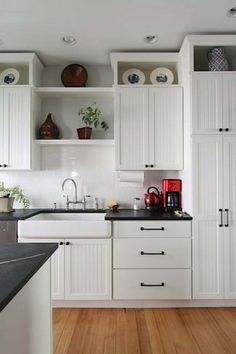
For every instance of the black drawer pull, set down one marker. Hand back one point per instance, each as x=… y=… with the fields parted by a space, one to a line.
x=152 y=229
x=221 y=218
x=227 y=217
x=161 y=284
x=152 y=253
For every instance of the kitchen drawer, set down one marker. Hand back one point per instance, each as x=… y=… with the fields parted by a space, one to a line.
x=138 y=253
x=155 y=228
x=152 y=284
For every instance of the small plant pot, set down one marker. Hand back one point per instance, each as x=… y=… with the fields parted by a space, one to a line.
x=6 y=204
x=84 y=133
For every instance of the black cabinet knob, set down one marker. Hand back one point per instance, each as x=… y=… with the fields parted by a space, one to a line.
x=67 y=243
x=61 y=243
x=220 y=130
x=152 y=165
x=226 y=129
x=4 y=165
x=146 y=166
x=0 y=165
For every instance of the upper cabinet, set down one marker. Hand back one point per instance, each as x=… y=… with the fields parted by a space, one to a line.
x=15 y=123
x=214 y=102
x=149 y=128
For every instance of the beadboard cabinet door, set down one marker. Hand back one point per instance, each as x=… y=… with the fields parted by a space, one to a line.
x=166 y=128
x=131 y=128
x=16 y=122
x=229 y=103
x=230 y=217
x=149 y=128
x=88 y=269
x=207 y=218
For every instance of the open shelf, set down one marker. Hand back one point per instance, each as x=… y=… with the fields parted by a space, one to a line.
x=57 y=92
x=87 y=142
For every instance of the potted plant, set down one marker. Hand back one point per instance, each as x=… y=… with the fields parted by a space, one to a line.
x=91 y=115
x=8 y=195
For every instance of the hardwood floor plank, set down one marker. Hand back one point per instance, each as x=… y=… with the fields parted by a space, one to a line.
x=175 y=336
x=154 y=334
x=206 y=332
x=60 y=317
x=143 y=334
x=67 y=332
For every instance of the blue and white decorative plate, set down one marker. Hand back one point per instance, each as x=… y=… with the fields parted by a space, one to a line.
x=161 y=76
x=133 y=77
x=9 y=77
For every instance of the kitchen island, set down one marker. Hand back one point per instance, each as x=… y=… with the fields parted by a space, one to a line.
x=25 y=298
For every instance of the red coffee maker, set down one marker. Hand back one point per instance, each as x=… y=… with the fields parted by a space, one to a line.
x=172 y=194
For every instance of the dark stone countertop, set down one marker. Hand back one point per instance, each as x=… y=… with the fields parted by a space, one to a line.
x=142 y=214
x=18 y=263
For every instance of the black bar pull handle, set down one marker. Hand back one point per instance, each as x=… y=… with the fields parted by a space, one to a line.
x=152 y=229
x=227 y=217
x=152 y=253
x=221 y=217
x=160 y=284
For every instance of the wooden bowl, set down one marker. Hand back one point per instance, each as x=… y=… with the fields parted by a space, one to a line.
x=74 y=75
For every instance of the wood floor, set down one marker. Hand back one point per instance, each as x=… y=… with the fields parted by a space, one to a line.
x=145 y=331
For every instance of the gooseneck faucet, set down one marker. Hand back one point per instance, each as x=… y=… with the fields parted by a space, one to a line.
x=76 y=201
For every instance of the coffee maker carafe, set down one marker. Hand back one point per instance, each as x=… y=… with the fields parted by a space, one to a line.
x=172 y=194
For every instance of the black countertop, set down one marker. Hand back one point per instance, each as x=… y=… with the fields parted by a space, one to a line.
x=121 y=214
x=18 y=263
x=142 y=214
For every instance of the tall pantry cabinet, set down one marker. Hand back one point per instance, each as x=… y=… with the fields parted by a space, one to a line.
x=214 y=184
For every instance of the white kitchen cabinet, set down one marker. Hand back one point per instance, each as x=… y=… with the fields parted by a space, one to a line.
x=88 y=269
x=57 y=266
x=156 y=265
x=149 y=128
x=214 y=104
x=81 y=268
x=214 y=243
x=15 y=124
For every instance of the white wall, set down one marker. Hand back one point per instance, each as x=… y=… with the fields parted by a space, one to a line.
x=92 y=168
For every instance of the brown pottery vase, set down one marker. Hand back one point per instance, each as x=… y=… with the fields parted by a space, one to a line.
x=48 y=129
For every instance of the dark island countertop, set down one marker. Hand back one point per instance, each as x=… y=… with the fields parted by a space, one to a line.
x=143 y=214
x=19 y=214
x=18 y=263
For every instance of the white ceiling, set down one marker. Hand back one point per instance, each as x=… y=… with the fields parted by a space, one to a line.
x=101 y=26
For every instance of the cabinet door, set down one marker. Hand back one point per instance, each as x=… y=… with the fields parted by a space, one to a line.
x=207 y=202
x=230 y=219
x=131 y=128
x=166 y=128
x=229 y=103
x=207 y=103
x=88 y=269
x=17 y=128
x=57 y=266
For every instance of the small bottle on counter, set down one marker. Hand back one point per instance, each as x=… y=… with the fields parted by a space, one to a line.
x=137 y=204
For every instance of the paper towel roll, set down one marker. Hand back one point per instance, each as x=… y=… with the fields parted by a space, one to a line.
x=131 y=178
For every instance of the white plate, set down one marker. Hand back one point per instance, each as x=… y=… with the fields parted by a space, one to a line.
x=161 y=76
x=133 y=77
x=9 y=77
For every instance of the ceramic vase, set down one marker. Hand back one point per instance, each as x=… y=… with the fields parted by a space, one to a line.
x=48 y=129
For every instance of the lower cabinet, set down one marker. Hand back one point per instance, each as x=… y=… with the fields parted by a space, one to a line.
x=152 y=267
x=81 y=269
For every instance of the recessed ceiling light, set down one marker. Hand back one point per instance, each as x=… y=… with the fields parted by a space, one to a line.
x=151 y=39
x=69 y=40
x=232 y=12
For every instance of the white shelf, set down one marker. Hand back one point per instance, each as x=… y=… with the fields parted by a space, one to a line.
x=76 y=142
x=73 y=91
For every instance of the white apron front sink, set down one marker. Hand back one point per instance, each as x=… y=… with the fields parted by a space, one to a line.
x=65 y=225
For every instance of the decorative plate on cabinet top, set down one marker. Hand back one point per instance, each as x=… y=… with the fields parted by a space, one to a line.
x=161 y=76
x=9 y=77
x=133 y=77
x=74 y=75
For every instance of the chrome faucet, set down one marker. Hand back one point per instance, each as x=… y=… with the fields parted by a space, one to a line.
x=68 y=201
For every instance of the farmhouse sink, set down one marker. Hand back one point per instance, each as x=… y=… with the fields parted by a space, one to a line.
x=65 y=225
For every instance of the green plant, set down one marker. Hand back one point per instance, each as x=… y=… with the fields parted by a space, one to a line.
x=17 y=193
x=91 y=115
